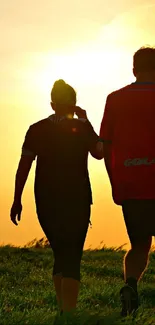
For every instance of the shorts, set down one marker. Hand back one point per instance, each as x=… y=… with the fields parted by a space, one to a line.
x=139 y=216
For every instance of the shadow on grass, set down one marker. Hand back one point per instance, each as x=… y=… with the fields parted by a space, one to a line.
x=112 y=318
x=87 y=318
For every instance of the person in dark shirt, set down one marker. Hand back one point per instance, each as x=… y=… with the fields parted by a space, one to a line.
x=63 y=196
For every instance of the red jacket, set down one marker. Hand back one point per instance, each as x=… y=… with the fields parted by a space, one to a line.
x=129 y=122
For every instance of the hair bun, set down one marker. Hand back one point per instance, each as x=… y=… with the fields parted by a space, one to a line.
x=59 y=83
x=63 y=94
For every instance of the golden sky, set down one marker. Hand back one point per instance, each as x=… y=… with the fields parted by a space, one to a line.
x=89 y=44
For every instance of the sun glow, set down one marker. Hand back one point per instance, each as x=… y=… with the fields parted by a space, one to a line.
x=76 y=68
x=93 y=71
x=80 y=69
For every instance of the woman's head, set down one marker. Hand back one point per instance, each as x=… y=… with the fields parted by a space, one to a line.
x=63 y=98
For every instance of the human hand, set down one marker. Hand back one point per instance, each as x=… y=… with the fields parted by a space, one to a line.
x=15 y=213
x=81 y=113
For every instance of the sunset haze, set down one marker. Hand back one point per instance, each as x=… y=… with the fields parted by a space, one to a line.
x=88 y=44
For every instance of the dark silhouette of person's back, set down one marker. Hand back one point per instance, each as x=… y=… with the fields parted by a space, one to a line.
x=63 y=195
x=128 y=122
x=62 y=150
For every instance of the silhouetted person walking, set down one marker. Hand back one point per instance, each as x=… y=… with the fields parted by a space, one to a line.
x=63 y=195
x=128 y=124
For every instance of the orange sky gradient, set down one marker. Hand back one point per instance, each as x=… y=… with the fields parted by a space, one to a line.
x=89 y=45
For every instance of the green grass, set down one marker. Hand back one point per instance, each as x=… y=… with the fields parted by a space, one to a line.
x=27 y=294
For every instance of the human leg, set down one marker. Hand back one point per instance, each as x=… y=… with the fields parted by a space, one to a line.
x=138 y=215
x=136 y=259
x=57 y=280
x=139 y=219
x=135 y=263
x=75 y=234
x=46 y=216
x=67 y=239
x=70 y=290
x=66 y=283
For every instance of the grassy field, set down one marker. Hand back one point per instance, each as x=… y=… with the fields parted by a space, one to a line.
x=27 y=294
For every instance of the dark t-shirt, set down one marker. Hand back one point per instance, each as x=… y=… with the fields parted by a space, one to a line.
x=62 y=152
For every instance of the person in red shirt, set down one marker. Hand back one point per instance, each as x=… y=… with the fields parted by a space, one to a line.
x=128 y=127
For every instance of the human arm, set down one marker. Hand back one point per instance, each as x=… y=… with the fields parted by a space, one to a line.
x=23 y=169
x=107 y=159
x=97 y=149
x=96 y=144
x=106 y=131
x=20 y=180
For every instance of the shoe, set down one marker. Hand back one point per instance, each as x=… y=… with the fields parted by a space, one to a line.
x=129 y=300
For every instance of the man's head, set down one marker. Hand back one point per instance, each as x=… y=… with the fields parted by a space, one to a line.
x=144 y=64
x=63 y=98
